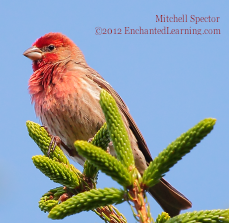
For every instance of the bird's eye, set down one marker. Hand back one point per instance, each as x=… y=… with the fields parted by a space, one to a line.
x=51 y=47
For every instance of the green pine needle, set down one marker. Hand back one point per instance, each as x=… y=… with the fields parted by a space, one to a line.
x=47 y=205
x=55 y=192
x=87 y=201
x=176 y=150
x=58 y=172
x=116 y=129
x=162 y=218
x=105 y=162
x=208 y=216
x=101 y=139
x=42 y=139
x=50 y=199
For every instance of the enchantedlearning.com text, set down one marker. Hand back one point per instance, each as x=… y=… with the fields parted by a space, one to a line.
x=165 y=30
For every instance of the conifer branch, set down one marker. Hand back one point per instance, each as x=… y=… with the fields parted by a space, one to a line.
x=207 y=216
x=105 y=162
x=51 y=198
x=58 y=172
x=116 y=129
x=162 y=218
x=61 y=194
x=87 y=201
x=43 y=140
x=101 y=139
x=110 y=214
x=175 y=151
x=77 y=194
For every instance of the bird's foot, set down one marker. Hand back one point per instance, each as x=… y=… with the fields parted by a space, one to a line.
x=110 y=146
x=46 y=129
x=90 y=140
x=55 y=141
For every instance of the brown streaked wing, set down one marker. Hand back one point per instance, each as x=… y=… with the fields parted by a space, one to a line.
x=92 y=74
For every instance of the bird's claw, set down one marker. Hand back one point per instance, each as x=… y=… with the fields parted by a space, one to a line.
x=90 y=140
x=55 y=141
x=47 y=130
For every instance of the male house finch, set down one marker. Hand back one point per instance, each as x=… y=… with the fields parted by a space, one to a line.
x=65 y=91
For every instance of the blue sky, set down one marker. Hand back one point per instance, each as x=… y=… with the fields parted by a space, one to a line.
x=169 y=81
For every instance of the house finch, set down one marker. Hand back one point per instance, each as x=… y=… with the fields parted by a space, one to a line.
x=66 y=93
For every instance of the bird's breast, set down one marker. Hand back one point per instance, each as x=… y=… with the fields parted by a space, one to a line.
x=71 y=110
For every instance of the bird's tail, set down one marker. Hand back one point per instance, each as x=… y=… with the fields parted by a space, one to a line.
x=171 y=200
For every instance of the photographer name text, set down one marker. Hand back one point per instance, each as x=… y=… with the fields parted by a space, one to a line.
x=185 y=18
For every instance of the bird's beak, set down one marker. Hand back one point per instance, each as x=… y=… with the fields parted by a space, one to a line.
x=33 y=53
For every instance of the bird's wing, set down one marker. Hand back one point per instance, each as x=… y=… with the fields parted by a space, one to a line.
x=92 y=74
x=171 y=200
